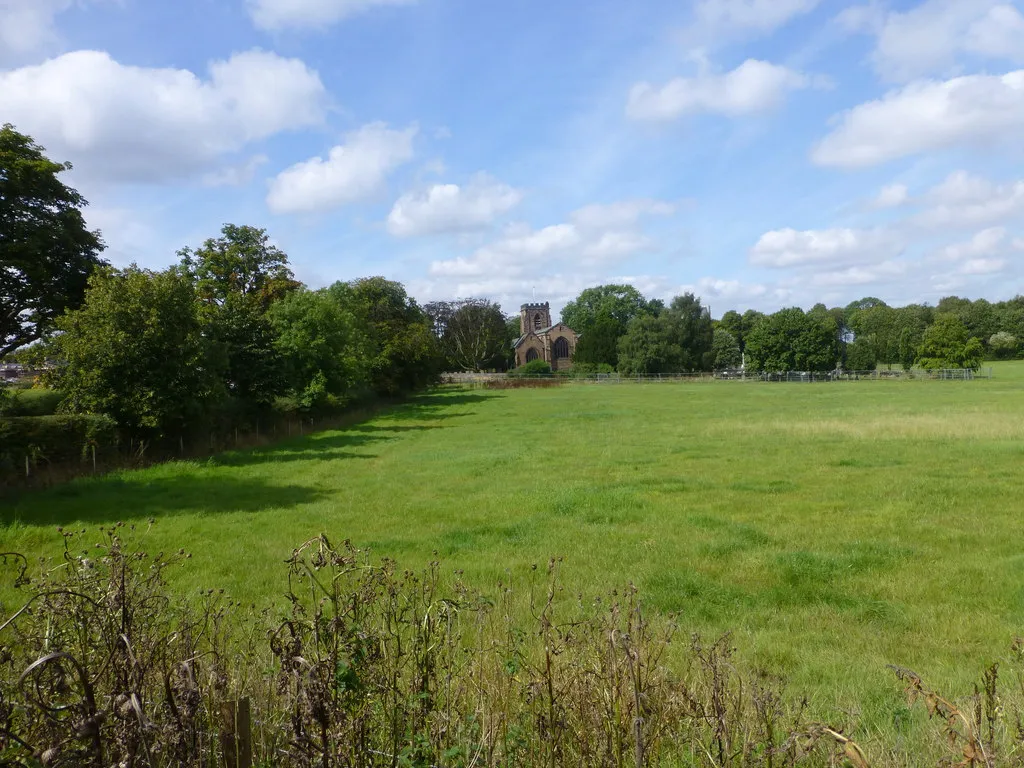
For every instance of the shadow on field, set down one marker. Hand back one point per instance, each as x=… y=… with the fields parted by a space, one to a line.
x=326 y=446
x=434 y=405
x=132 y=497
x=338 y=445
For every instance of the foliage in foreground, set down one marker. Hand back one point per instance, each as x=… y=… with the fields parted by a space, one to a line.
x=369 y=665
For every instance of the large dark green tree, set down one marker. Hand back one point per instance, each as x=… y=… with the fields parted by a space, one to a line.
x=241 y=262
x=46 y=251
x=599 y=344
x=948 y=344
x=135 y=351
x=792 y=340
x=677 y=340
x=876 y=333
x=238 y=277
x=406 y=352
x=620 y=303
x=725 y=350
x=323 y=346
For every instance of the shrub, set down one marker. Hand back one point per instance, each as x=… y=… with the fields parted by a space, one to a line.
x=53 y=439
x=580 y=370
x=32 y=402
x=533 y=368
x=525 y=382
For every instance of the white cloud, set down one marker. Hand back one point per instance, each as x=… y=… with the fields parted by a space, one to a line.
x=625 y=213
x=933 y=36
x=982 y=266
x=236 y=175
x=985 y=243
x=859 y=275
x=514 y=254
x=585 y=247
x=451 y=208
x=892 y=196
x=121 y=122
x=977 y=110
x=757 y=15
x=310 y=14
x=353 y=171
x=26 y=26
x=710 y=288
x=754 y=86
x=963 y=200
x=999 y=34
x=834 y=247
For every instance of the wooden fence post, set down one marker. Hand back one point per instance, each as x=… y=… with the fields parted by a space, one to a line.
x=236 y=734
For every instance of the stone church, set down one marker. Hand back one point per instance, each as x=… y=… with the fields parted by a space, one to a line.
x=542 y=340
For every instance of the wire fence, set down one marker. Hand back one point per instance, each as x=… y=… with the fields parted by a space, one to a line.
x=796 y=377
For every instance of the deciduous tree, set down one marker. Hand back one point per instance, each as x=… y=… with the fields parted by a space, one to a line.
x=407 y=355
x=948 y=344
x=725 y=350
x=472 y=333
x=791 y=340
x=135 y=351
x=324 y=348
x=46 y=252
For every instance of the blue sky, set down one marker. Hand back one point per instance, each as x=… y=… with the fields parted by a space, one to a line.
x=761 y=153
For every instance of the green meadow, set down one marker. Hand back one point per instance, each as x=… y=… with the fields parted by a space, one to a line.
x=832 y=528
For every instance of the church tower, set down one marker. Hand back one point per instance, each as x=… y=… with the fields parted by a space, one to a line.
x=534 y=317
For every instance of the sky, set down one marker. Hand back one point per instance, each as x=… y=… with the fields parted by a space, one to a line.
x=759 y=153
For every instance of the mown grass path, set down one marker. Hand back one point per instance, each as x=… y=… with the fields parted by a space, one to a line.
x=835 y=528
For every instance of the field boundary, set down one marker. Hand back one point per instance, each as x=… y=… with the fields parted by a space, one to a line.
x=800 y=377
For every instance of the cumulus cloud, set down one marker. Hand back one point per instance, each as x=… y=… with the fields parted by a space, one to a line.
x=351 y=172
x=985 y=243
x=625 y=213
x=126 y=123
x=758 y=15
x=754 y=86
x=927 y=116
x=892 y=196
x=451 y=208
x=310 y=14
x=931 y=37
x=830 y=247
x=592 y=240
x=966 y=200
x=26 y=26
x=236 y=175
x=859 y=275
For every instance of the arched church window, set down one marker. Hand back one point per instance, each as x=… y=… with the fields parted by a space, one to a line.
x=536 y=322
x=531 y=355
x=561 y=348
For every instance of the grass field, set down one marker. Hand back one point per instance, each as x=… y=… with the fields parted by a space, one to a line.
x=834 y=528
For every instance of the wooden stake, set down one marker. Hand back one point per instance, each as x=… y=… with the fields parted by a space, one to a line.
x=236 y=734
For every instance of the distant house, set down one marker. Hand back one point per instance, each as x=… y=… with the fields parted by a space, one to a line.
x=541 y=340
x=11 y=371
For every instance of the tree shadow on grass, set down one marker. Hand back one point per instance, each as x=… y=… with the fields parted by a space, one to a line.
x=337 y=444
x=435 y=406
x=325 y=446
x=133 y=496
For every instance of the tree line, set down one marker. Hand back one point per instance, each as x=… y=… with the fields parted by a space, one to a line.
x=228 y=326
x=622 y=330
